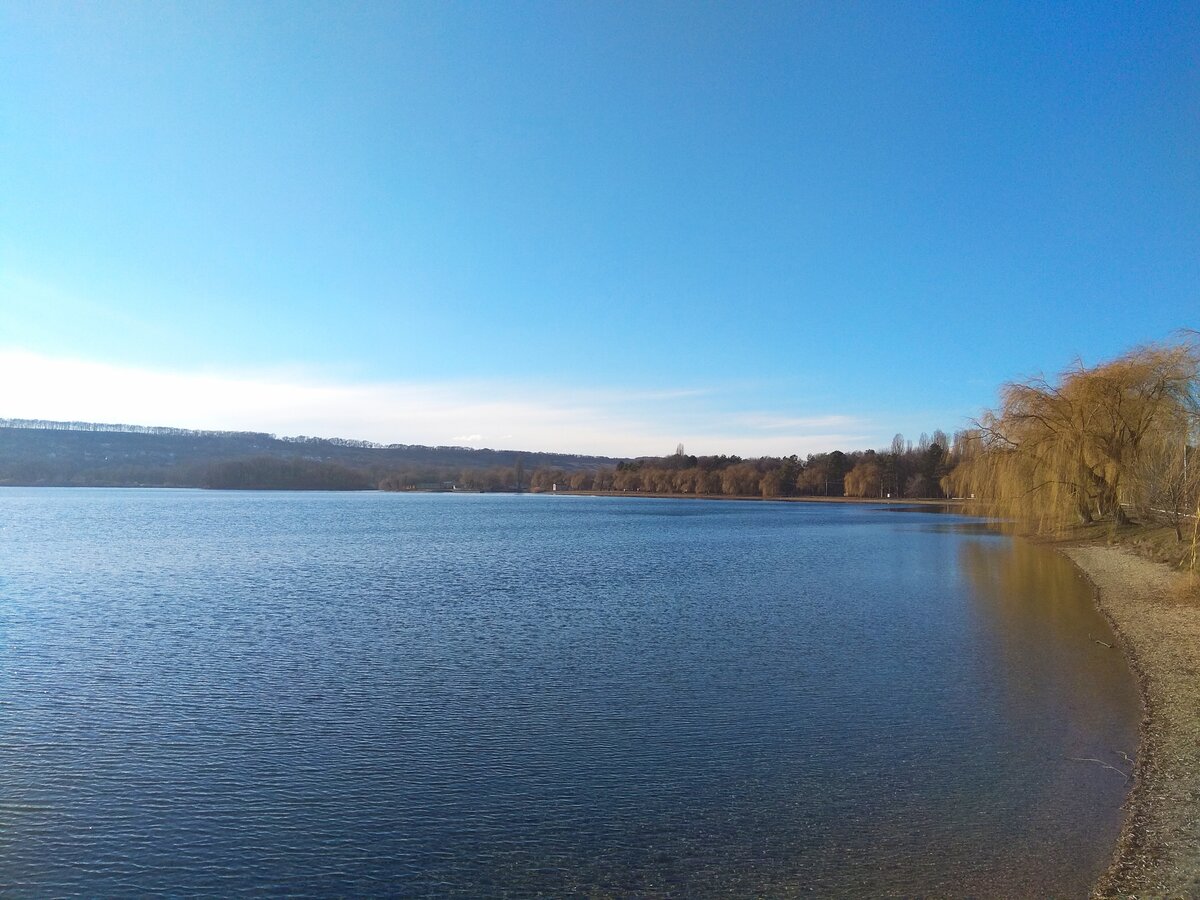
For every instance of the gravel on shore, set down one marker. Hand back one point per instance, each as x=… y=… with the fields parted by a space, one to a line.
x=1158 y=625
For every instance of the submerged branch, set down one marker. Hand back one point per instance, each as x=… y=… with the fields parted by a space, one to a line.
x=1099 y=762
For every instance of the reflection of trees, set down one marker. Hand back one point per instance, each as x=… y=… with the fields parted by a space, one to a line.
x=1058 y=693
x=1039 y=618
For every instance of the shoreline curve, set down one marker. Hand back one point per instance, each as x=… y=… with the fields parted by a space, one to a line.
x=1158 y=629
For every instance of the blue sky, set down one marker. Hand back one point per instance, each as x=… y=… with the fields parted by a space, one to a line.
x=592 y=227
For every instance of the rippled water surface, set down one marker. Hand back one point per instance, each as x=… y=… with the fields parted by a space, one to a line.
x=510 y=695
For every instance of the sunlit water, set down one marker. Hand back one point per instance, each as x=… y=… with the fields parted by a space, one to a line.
x=509 y=695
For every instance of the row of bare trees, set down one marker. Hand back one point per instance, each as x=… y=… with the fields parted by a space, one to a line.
x=115 y=428
x=902 y=470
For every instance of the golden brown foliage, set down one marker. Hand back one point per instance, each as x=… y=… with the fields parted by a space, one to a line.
x=1100 y=442
x=864 y=480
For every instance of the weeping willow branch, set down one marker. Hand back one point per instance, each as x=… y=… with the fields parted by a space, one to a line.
x=1101 y=440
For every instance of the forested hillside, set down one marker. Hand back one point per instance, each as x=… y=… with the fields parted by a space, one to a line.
x=36 y=452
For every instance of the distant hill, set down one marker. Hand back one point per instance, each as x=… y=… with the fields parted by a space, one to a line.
x=38 y=452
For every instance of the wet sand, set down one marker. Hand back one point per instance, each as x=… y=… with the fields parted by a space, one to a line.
x=1158 y=627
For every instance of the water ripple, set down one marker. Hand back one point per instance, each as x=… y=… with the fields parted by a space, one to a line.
x=218 y=693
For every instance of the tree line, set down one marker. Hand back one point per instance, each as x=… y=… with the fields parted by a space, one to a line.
x=903 y=469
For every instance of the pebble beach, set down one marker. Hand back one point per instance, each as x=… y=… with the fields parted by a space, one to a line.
x=1158 y=625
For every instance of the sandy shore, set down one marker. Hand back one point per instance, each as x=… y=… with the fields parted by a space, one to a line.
x=1159 y=629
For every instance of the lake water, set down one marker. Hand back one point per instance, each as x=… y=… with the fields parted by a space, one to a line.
x=487 y=695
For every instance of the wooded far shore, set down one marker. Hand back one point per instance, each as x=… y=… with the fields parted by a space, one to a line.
x=1112 y=443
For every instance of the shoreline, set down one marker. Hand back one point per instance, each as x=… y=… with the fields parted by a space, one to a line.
x=805 y=498
x=1158 y=630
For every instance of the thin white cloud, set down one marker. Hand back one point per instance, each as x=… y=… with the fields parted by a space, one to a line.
x=770 y=422
x=498 y=414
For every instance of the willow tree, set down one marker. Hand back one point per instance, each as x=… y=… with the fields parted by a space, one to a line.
x=1077 y=450
x=864 y=480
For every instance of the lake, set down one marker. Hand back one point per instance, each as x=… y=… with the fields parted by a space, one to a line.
x=503 y=695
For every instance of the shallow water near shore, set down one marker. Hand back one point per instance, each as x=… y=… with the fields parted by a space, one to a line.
x=489 y=695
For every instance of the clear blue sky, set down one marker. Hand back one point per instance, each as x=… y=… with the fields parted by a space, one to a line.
x=745 y=226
